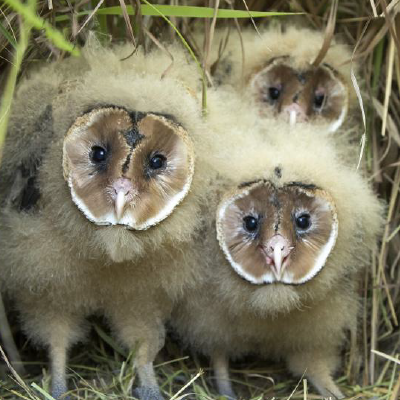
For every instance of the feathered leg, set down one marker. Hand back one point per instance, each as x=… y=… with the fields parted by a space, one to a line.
x=318 y=367
x=62 y=332
x=148 y=389
x=146 y=334
x=58 y=361
x=58 y=331
x=220 y=363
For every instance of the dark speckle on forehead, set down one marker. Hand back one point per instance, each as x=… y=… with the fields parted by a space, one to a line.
x=125 y=166
x=132 y=137
x=278 y=172
x=301 y=77
x=274 y=200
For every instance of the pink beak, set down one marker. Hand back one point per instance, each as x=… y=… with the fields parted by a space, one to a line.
x=276 y=250
x=295 y=113
x=122 y=194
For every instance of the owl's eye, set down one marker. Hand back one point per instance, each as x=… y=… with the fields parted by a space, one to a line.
x=98 y=154
x=250 y=224
x=319 y=100
x=303 y=221
x=274 y=93
x=157 y=161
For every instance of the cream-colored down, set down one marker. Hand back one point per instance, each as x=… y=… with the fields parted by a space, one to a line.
x=301 y=44
x=57 y=265
x=234 y=68
x=302 y=324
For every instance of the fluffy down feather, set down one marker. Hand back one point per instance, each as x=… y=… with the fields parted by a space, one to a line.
x=290 y=52
x=57 y=265
x=227 y=317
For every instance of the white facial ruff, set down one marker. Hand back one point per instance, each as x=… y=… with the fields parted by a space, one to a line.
x=269 y=277
x=338 y=123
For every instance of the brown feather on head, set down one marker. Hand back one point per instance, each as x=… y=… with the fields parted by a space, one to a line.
x=277 y=234
x=301 y=95
x=127 y=168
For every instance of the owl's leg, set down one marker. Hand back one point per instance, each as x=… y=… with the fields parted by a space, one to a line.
x=220 y=363
x=318 y=367
x=148 y=389
x=62 y=333
x=58 y=362
x=58 y=331
x=147 y=338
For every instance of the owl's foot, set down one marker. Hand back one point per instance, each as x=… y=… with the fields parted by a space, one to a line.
x=58 y=390
x=148 y=393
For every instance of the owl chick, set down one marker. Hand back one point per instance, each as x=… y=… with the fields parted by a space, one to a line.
x=279 y=76
x=280 y=281
x=100 y=194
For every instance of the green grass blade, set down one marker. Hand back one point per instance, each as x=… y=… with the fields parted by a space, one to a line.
x=42 y=391
x=110 y=341
x=186 y=44
x=5 y=33
x=8 y=94
x=52 y=34
x=182 y=11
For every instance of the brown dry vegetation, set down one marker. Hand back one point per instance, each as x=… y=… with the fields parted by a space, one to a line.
x=101 y=369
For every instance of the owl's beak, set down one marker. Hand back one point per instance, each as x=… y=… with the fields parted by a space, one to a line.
x=122 y=195
x=276 y=251
x=120 y=202
x=295 y=113
x=278 y=262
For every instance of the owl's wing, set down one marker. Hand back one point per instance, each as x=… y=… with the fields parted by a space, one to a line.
x=22 y=157
x=24 y=192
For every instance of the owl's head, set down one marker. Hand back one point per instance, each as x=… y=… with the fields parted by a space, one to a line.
x=280 y=72
x=277 y=234
x=300 y=94
x=127 y=168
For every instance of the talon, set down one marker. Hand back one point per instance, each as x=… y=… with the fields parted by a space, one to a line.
x=147 y=393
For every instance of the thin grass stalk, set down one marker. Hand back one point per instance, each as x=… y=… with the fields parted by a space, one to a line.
x=186 y=44
x=374 y=321
x=396 y=390
x=381 y=273
x=8 y=340
x=8 y=94
x=388 y=90
x=36 y=22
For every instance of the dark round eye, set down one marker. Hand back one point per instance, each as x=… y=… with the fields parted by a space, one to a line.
x=274 y=93
x=250 y=223
x=303 y=221
x=98 y=154
x=157 y=161
x=319 y=100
